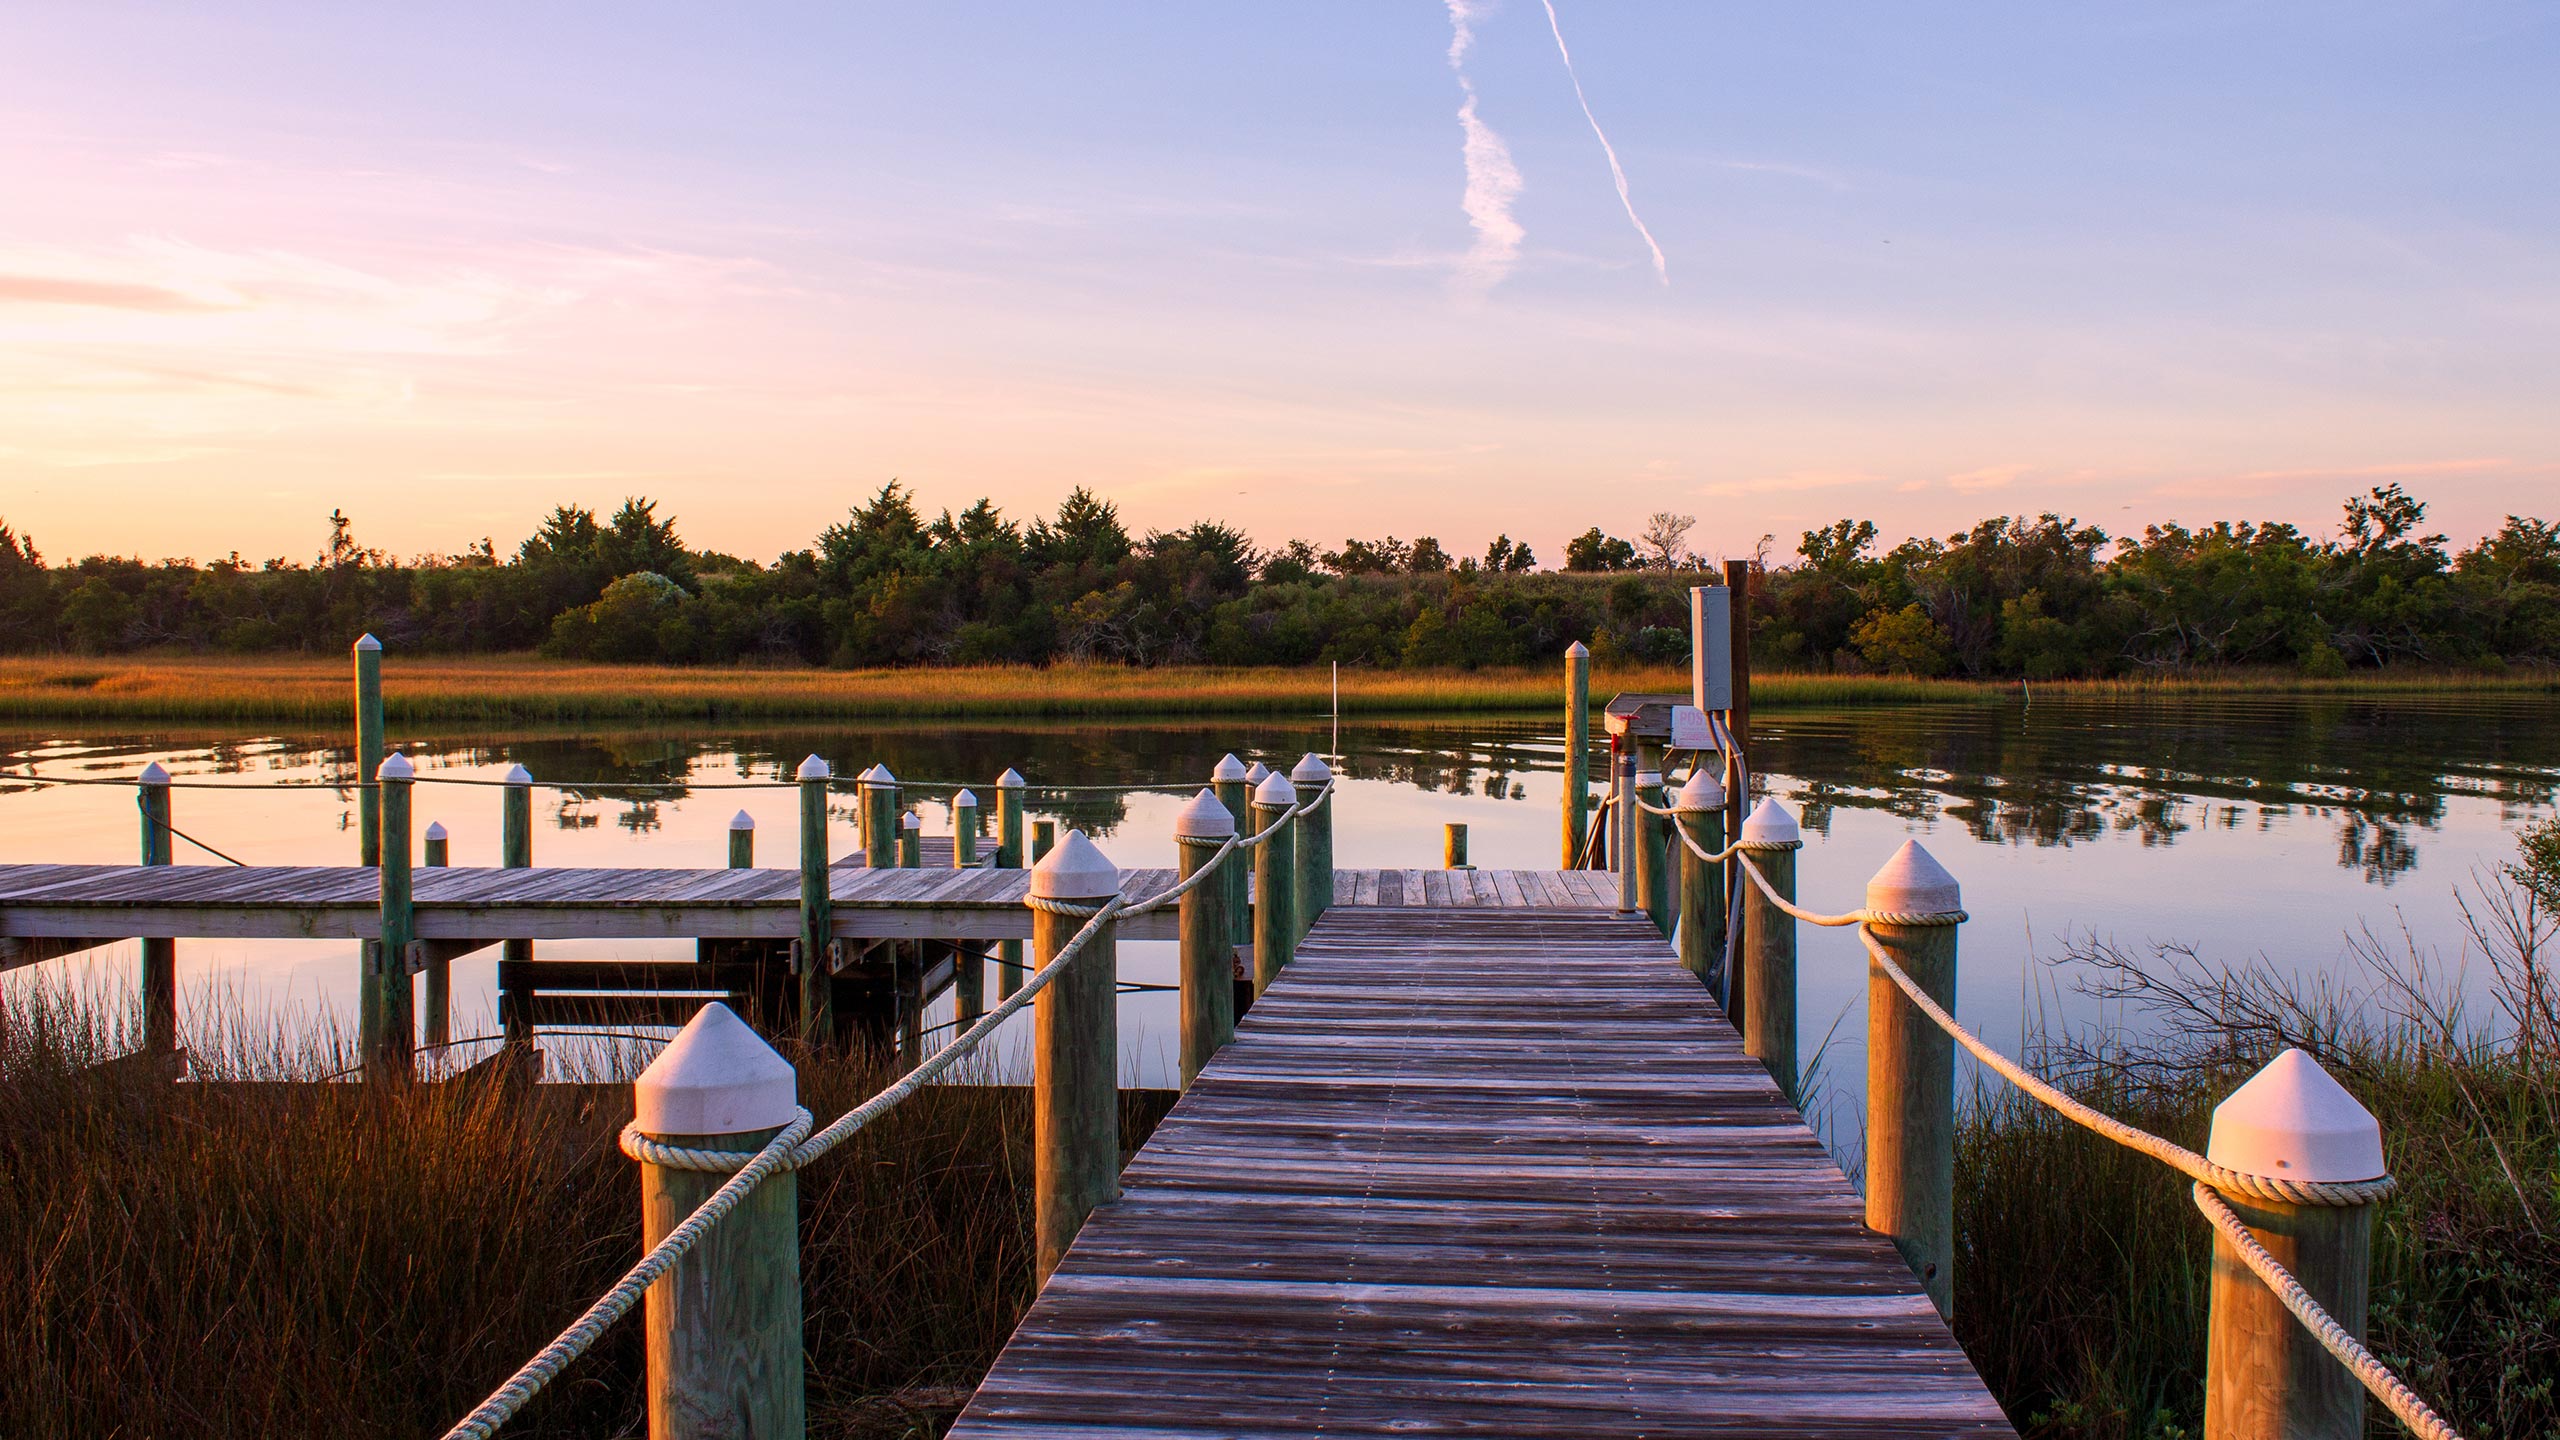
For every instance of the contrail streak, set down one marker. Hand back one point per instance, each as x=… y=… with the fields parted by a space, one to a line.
x=1493 y=182
x=1616 y=172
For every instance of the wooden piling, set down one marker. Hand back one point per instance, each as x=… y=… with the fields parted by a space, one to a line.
x=723 y=1324
x=1699 y=814
x=435 y=984
x=1654 y=867
x=1577 y=750
x=1453 y=846
x=1737 y=580
x=969 y=957
x=1313 y=887
x=1044 y=838
x=1234 y=792
x=515 y=852
x=1275 y=873
x=910 y=841
x=1767 y=984
x=368 y=652
x=2266 y=1377
x=1075 y=1050
x=1911 y=1073
x=817 y=917
x=393 y=1041
x=1010 y=855
x=1623 y=816
x=876 y=792
x=159 y=956
x=1208 y=949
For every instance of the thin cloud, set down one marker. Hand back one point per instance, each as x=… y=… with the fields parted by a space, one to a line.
x=1617 y=172
x=1493 y=182
x=100 y=294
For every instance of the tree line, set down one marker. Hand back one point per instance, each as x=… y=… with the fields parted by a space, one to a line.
x=2042 y=597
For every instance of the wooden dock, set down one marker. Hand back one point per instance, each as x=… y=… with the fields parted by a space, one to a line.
x=1482 y=1169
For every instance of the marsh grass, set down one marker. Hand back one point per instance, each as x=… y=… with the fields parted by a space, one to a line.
x=2083 y=1269
x=529 y=690
x=261 y=1255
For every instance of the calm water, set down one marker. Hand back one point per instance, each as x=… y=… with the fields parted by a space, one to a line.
x=2255 y=827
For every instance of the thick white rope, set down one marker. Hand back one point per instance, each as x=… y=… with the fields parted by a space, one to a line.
x=615 y=1303
x=2387 y=1387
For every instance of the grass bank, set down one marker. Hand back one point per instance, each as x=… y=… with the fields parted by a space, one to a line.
x=524 y=689
x=260 y=1259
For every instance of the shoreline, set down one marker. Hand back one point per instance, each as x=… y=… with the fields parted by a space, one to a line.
x=529 y=689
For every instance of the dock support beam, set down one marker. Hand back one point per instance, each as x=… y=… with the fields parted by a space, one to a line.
x=723 y=1323
x=2266 y=1377
x=1577 y=750
x=1010 y=855
x=390 y=1040
x=1911 y=1070
x=968 y=958
x=1208 y=954
x=1075 y=1053
x=159 y=956
x=1767 y=984
x=1700 y=815
x=1275 y=872
x=1314 y=842
x=817 y=907
x=515 y=852
x=436 y=984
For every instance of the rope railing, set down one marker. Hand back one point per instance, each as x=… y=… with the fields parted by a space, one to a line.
x=792 y=1149
x=2212 y=1181
x=1208 y=867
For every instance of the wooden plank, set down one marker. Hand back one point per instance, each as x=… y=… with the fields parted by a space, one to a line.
x=1485 y=1168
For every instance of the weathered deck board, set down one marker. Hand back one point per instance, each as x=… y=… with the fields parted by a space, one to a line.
x=1483 y=1170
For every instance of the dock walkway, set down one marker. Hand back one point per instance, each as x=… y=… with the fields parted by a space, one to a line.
x=1486 y=1170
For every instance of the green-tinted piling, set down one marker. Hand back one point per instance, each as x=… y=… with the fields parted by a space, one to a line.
x=1699 y=814
x=1577 y=750
x=1075 y=1054
x=1012 y=853
x=817 y=908
x=1275 y=874
x=393 y=1041
x=1208 y=954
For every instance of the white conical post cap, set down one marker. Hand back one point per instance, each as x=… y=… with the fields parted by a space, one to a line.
x=965 y=800
x=1256 y=773
x=1770 y=824
x=518 y=775
x=396 y=766
x=742 y=821
x=435 y=830
x=1578 y=651
x=1228 y=768
x=911 y=821
x=1011 y=779
x=1275 y=790
x=1703 y=792
x=2293 y=1122
x=1205 y=818
x=717 y=1077
x=814 y=768
x=1913 y=883
x=1075 y=870
x=881 y=775
x=367 y=642
x=1310 y=771
x=154 y=774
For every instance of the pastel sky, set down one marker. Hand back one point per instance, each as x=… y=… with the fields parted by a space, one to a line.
x=449 y=265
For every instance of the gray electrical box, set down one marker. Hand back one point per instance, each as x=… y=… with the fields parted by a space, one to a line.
x=1711 y=647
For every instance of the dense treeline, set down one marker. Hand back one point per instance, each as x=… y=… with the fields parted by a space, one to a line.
x=2042 y=597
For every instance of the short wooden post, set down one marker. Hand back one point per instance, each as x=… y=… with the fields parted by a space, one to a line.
x=1227 y=779
x=394 y=1038
x=159 y=953
x=1208 y=951
x=877 y=790
x=723 y=1323
x=1699 y=814
x=1314 y=887
x=1453 y=846
x=742 y=841
x=1577 y=749
x=1011 y=851
x=2266 y=1378
x=1275 y=874
x=436 y=982
x=1622 y=792
x=1767 y=984
x=515 y=852
x=368 y=747
x=910 y=840
x=1254 y=775
x=1652 y=853
x=968 y=957
x=817 y=907
x=1911 y=1070
x=1075 y=1054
